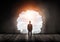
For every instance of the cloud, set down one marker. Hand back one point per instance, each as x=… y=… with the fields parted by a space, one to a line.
x=22 y=22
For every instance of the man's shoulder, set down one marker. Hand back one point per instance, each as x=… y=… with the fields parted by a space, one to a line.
x=29 y=24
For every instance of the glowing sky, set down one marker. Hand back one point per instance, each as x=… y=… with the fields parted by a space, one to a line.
x=24 y=18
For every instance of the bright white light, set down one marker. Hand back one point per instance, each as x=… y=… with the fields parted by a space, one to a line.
x=25 y=17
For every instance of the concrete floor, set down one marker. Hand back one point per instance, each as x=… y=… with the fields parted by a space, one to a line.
x=34 y=38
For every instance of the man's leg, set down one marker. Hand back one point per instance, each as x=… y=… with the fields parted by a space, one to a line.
x=29 y=35
x=28 y=32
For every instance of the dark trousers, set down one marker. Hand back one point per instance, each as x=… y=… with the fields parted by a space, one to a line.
x=29 y=35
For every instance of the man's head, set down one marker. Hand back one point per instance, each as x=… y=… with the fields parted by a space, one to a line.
x=29 y=22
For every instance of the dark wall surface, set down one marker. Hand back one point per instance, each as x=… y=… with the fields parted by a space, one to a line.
x=7 y=20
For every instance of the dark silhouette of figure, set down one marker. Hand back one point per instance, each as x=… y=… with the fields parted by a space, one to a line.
x=29 y=29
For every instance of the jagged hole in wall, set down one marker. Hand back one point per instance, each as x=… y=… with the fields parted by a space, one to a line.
x=25 y=17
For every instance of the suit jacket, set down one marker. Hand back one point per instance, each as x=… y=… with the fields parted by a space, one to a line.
x=30 y=27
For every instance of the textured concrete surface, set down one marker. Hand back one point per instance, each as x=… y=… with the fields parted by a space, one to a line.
x=24 y=37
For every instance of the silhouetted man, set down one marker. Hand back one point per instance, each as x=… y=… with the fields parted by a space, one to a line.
x=29 y=29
